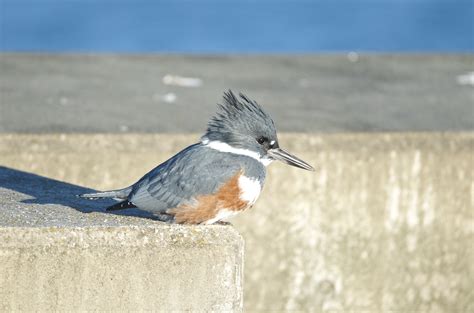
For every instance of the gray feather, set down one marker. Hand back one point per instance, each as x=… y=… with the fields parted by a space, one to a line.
x=197 y=170
x=119 y=194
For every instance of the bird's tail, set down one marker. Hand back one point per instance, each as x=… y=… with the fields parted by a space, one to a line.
x=119 y=194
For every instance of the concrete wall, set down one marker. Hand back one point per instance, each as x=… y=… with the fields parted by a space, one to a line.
x=384 y=224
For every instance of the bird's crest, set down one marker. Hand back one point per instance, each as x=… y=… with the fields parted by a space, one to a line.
x=238 y=116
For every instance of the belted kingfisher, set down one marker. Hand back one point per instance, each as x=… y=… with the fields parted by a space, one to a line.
x=214 y=179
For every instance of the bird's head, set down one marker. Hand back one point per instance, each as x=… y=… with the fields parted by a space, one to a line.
x=242 y=126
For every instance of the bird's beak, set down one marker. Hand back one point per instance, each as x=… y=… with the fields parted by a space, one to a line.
x=282 y=155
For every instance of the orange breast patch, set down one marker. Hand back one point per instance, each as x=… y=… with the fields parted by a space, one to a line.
x=208 y=206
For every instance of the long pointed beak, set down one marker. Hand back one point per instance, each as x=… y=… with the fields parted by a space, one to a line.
x=282 y=155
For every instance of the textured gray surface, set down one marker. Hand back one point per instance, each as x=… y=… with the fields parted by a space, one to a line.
x=109 y=93
x=383 y=225
x=31 y=200
x=60 y=253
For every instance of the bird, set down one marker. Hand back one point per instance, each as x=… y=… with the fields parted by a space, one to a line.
x=218 y=177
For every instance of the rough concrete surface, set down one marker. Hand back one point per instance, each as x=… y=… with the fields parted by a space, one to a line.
x=120 y=93
x=60 y=253
x=385 y=224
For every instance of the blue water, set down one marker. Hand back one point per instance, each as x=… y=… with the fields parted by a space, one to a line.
x=237 y=26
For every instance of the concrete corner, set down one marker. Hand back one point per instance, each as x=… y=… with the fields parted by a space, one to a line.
x=97 y=261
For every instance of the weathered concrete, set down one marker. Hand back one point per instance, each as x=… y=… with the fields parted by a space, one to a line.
x=54 y=256
x=112 y=93
x=384 y=224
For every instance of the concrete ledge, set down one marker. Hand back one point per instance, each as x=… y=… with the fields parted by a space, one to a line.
x=149 y=266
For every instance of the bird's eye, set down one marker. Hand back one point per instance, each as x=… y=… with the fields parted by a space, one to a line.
x=262 y=140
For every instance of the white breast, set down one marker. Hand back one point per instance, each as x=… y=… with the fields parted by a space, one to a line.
x=249 y=189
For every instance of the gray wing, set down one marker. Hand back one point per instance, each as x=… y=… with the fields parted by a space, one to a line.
x=196 y=170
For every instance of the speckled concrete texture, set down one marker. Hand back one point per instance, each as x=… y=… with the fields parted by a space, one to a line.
x=384 y=224
x=60 y=253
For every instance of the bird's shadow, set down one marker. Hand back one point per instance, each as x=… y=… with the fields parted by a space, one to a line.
x=42 y=190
